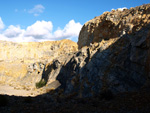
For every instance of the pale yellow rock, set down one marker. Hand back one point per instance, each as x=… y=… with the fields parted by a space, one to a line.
x=13 y=69
x=15 y=58
x=35 y=50
x=114 y=24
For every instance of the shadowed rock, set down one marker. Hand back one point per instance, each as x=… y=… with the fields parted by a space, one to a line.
x=118 y=61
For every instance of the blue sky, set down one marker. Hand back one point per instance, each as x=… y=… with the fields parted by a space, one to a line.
x=40 y=20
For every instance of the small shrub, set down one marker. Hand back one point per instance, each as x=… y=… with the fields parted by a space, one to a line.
x=41 y=83
x=3 y=100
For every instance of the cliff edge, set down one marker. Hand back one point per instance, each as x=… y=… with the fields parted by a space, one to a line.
x=114 y=55
x=114 y=24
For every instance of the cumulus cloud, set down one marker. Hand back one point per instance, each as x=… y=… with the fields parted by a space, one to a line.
x=37 y=10
x=41 y=31
x=13 y=31
x=71 y=30
x=1 y=24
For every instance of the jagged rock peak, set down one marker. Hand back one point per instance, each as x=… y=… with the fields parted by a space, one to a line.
x=114 y=24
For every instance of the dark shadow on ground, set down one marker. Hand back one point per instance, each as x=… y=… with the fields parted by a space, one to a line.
x=132 y=102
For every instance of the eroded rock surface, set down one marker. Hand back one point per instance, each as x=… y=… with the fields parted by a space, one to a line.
x=114 y=57
x=110 y=73
x=117 y=60
x=114 y=24
x=22 y=64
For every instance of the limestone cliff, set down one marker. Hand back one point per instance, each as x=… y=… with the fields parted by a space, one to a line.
x=113 y=57
x=32 y=51
x=114 y=24
x=110 y=73
x=24 y=62
x=117 y=60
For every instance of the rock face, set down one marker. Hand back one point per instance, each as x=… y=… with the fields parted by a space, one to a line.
x=24 y=62
x=114 y=57
x=33 y=51
x=117 y=60
x=114 y=24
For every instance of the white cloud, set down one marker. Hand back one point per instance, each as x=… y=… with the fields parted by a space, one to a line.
x=71 y=30
x=1 y=24
x=2 y=37
x=13 y=31
x=37 y=10
x=41 y=31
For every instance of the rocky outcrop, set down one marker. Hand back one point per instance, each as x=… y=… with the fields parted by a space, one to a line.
x=117 y=60
x=114 y=24
x=113 y=61
x=113 y=57
x=34 y=51
x=22 y=64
